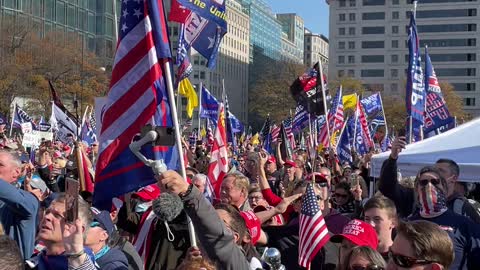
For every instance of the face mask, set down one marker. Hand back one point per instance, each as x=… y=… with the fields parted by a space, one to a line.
x=432 y=201
x=142 y=207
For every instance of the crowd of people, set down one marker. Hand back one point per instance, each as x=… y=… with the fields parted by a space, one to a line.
x=427 y=222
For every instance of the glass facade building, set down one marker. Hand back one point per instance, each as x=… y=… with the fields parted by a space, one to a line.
x=91 y=19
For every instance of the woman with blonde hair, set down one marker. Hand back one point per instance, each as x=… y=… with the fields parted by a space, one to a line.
x=364 y=258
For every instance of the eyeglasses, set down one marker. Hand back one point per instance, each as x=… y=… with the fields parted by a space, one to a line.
x=424 y=182
x=322 y=184
x=405 y=261
x=370 y=267
x=341 y=195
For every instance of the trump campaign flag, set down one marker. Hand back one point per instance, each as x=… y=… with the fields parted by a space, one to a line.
x=362 y=139
x=344 y=148
x=20 y=117
x=300 y=120
x=415 y=98
x=437 y=114
x=218 y=167
x=372 y=105
x=137 y=96
x=209 y=106
x=205 y=27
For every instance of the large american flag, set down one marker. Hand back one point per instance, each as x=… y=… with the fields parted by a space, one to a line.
x=335 y=119
x=313 y=230
x=218 y=167
x=275 y=131
x=137 y=95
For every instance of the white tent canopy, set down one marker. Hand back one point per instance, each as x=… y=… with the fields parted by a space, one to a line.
x=461 y=144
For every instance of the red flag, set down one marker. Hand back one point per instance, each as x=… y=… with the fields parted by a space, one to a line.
x=178 y=13
x=313 y=230
x=218 y=167
x=87 y=175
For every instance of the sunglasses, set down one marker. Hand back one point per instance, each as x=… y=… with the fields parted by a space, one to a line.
x=322 y=184
x=341 y=195
x=424 y=182
x=405 y=261
x=370 y=267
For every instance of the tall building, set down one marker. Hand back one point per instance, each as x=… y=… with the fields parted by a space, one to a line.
x=289 y=52
x=368 y=41
x=315 y=49
x=232 y=63
x=293 y=26
x=92 y=20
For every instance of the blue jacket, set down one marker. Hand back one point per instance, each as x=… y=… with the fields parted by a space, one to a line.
x=465 y=236
x=18 y=215
x=114 y=259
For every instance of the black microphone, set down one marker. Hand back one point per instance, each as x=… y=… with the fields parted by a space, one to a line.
x=167 y=206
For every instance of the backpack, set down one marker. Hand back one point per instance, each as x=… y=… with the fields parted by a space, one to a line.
x=460 y=207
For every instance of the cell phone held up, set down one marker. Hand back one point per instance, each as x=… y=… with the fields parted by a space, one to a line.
x=72 y=187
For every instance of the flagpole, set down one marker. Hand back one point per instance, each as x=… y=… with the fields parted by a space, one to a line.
x=320 y=68
x=115 y=18
x=171 y=97
x=13 y=118
x=410 y=130
x=355 y=126
x=199 y=107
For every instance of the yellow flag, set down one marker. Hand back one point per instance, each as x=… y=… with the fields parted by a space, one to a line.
x=203 y=132
x=185 y=88
x=242 y=139
x=349 y=101
x=255 y=139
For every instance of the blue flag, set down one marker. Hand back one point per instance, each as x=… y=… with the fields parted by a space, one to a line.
x=182 y=62
x=205 y=27
x=359 y=139
x=209 y=109
x=3 y=119
x=372 y=105
x=437 y=114
x=415 y=97
x=376 y=122
x=344 y=148
x=43 y=125
x=300 y=120
x=20 y=117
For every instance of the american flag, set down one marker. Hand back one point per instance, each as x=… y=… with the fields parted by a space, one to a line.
x=313 y=230
x=209 y=136
x=275 y=131
x=137 y=96
x=218 y=167
x=335 y=119
x=266 y=128
x=287 y=123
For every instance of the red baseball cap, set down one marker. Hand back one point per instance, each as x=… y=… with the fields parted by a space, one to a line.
x=359 y=233
x=290 y=163
x=149 y=193
x=253 y=225
x=318 y=176
x=272 y=159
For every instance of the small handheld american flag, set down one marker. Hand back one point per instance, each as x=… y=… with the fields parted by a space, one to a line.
x=313 y=230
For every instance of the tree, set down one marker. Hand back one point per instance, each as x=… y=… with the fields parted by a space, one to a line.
x=270 y=94
x=349 y=85
x=28 y=62
x=453 y=100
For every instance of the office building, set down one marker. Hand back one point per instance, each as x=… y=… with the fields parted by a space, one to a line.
x=368 y=41
x=293 y=26
x=232 y=63
x=315 y=49
x=289 y=52
x=92 y=20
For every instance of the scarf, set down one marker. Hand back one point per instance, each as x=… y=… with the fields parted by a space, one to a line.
x=432 y=201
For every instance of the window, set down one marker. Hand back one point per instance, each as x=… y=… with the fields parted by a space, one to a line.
x=447 y=28
x=49 y=13
x=202 y=74
x=446 y=13
x=353 y=3
x=373 y=2
x=341 y=59
x=372 y=72
x=395 y=15
x=351 y=73
x=91 y=22
x=394 y=58
x=454 y=57
x=341 y=73
x=463 y=86
x=341 y=31
x=373 y=58
x=469 y=102
x=341 y=17
x=351 y=31
x=394 y=29
x=71 y=16
x=394 y=43
x=469 y=42
x=60 y=12
x=341 y=45
x=373 y=16
x=373 y=44
x=342 y=3
x=373 y=30
x=394 y=87
x=351 y=59
x=351 y=17
x=37 y=8
x=394 y=73
x=469 y=72
x=395 y=2
x=351 y=45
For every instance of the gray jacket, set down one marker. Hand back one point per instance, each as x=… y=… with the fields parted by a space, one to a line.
x=215 y=238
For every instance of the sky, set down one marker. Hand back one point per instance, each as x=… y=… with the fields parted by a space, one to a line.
x=313 y=12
